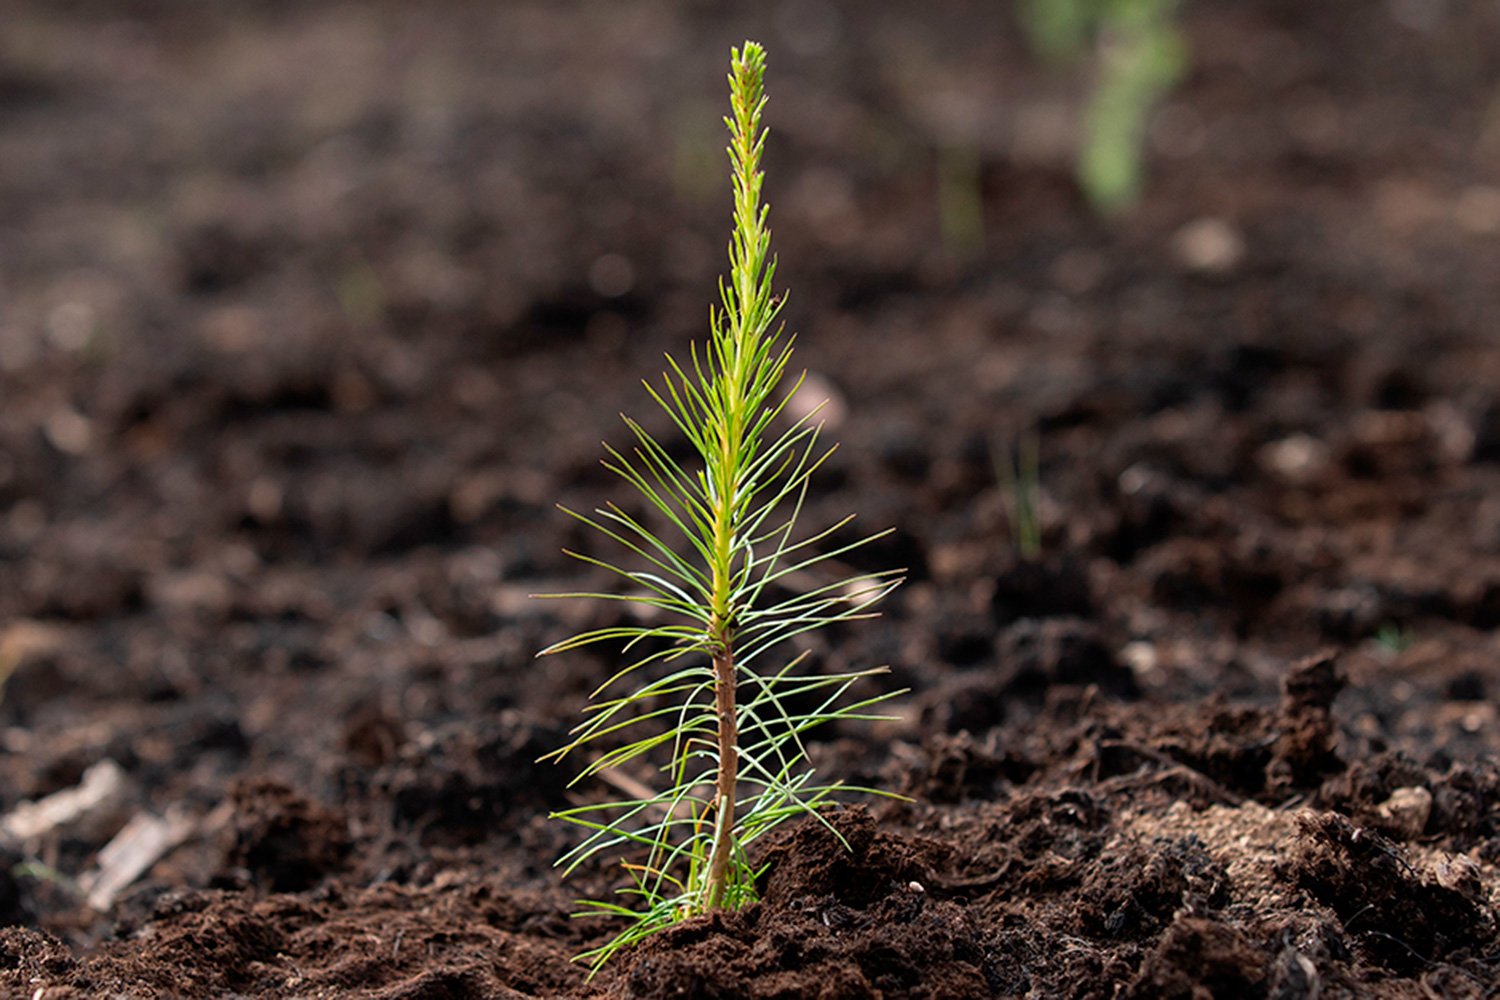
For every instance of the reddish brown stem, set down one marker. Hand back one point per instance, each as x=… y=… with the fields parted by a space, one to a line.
x=723 y=843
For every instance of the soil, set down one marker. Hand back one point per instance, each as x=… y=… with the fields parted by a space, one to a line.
x=312 y=311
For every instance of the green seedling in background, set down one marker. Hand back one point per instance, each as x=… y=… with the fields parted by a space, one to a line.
x=1059 y=30
x=960 y=198
x=1020 y=475
x=1393 y=639
x=1141 y=56
x=707 y=695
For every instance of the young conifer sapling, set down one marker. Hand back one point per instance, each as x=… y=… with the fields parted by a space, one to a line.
x=709 y=692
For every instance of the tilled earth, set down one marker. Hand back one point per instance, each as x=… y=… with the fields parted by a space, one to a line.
x=310 y=312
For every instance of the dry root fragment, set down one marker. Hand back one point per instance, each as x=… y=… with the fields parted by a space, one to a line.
x=95 y=802
x=142 y=842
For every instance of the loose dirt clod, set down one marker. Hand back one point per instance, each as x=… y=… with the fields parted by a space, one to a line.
x=1401 y=917
x=838 y=920
x=1304 y=752
x=1197 y=959
x=286 y=841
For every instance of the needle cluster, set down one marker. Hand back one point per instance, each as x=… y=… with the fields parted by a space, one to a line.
x=709 y=695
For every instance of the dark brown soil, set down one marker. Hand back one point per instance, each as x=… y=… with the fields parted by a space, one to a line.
x=310 y=312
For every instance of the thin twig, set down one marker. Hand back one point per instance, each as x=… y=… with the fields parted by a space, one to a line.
x=1174 y=768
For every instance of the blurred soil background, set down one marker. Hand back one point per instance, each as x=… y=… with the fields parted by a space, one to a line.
x=311 y=311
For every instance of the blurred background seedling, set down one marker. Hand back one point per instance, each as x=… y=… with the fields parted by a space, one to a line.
x=1139 y=54
x=1393 y=639
x=960 y=198
x=1018 y=468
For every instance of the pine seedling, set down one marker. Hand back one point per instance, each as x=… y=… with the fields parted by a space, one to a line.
x=709 y=694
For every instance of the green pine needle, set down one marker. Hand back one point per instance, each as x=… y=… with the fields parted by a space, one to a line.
x=700 y=696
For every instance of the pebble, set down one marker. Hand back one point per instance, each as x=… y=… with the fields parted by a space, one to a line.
x=1298 y=459
x=1407 y=810
x=1208 y=246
